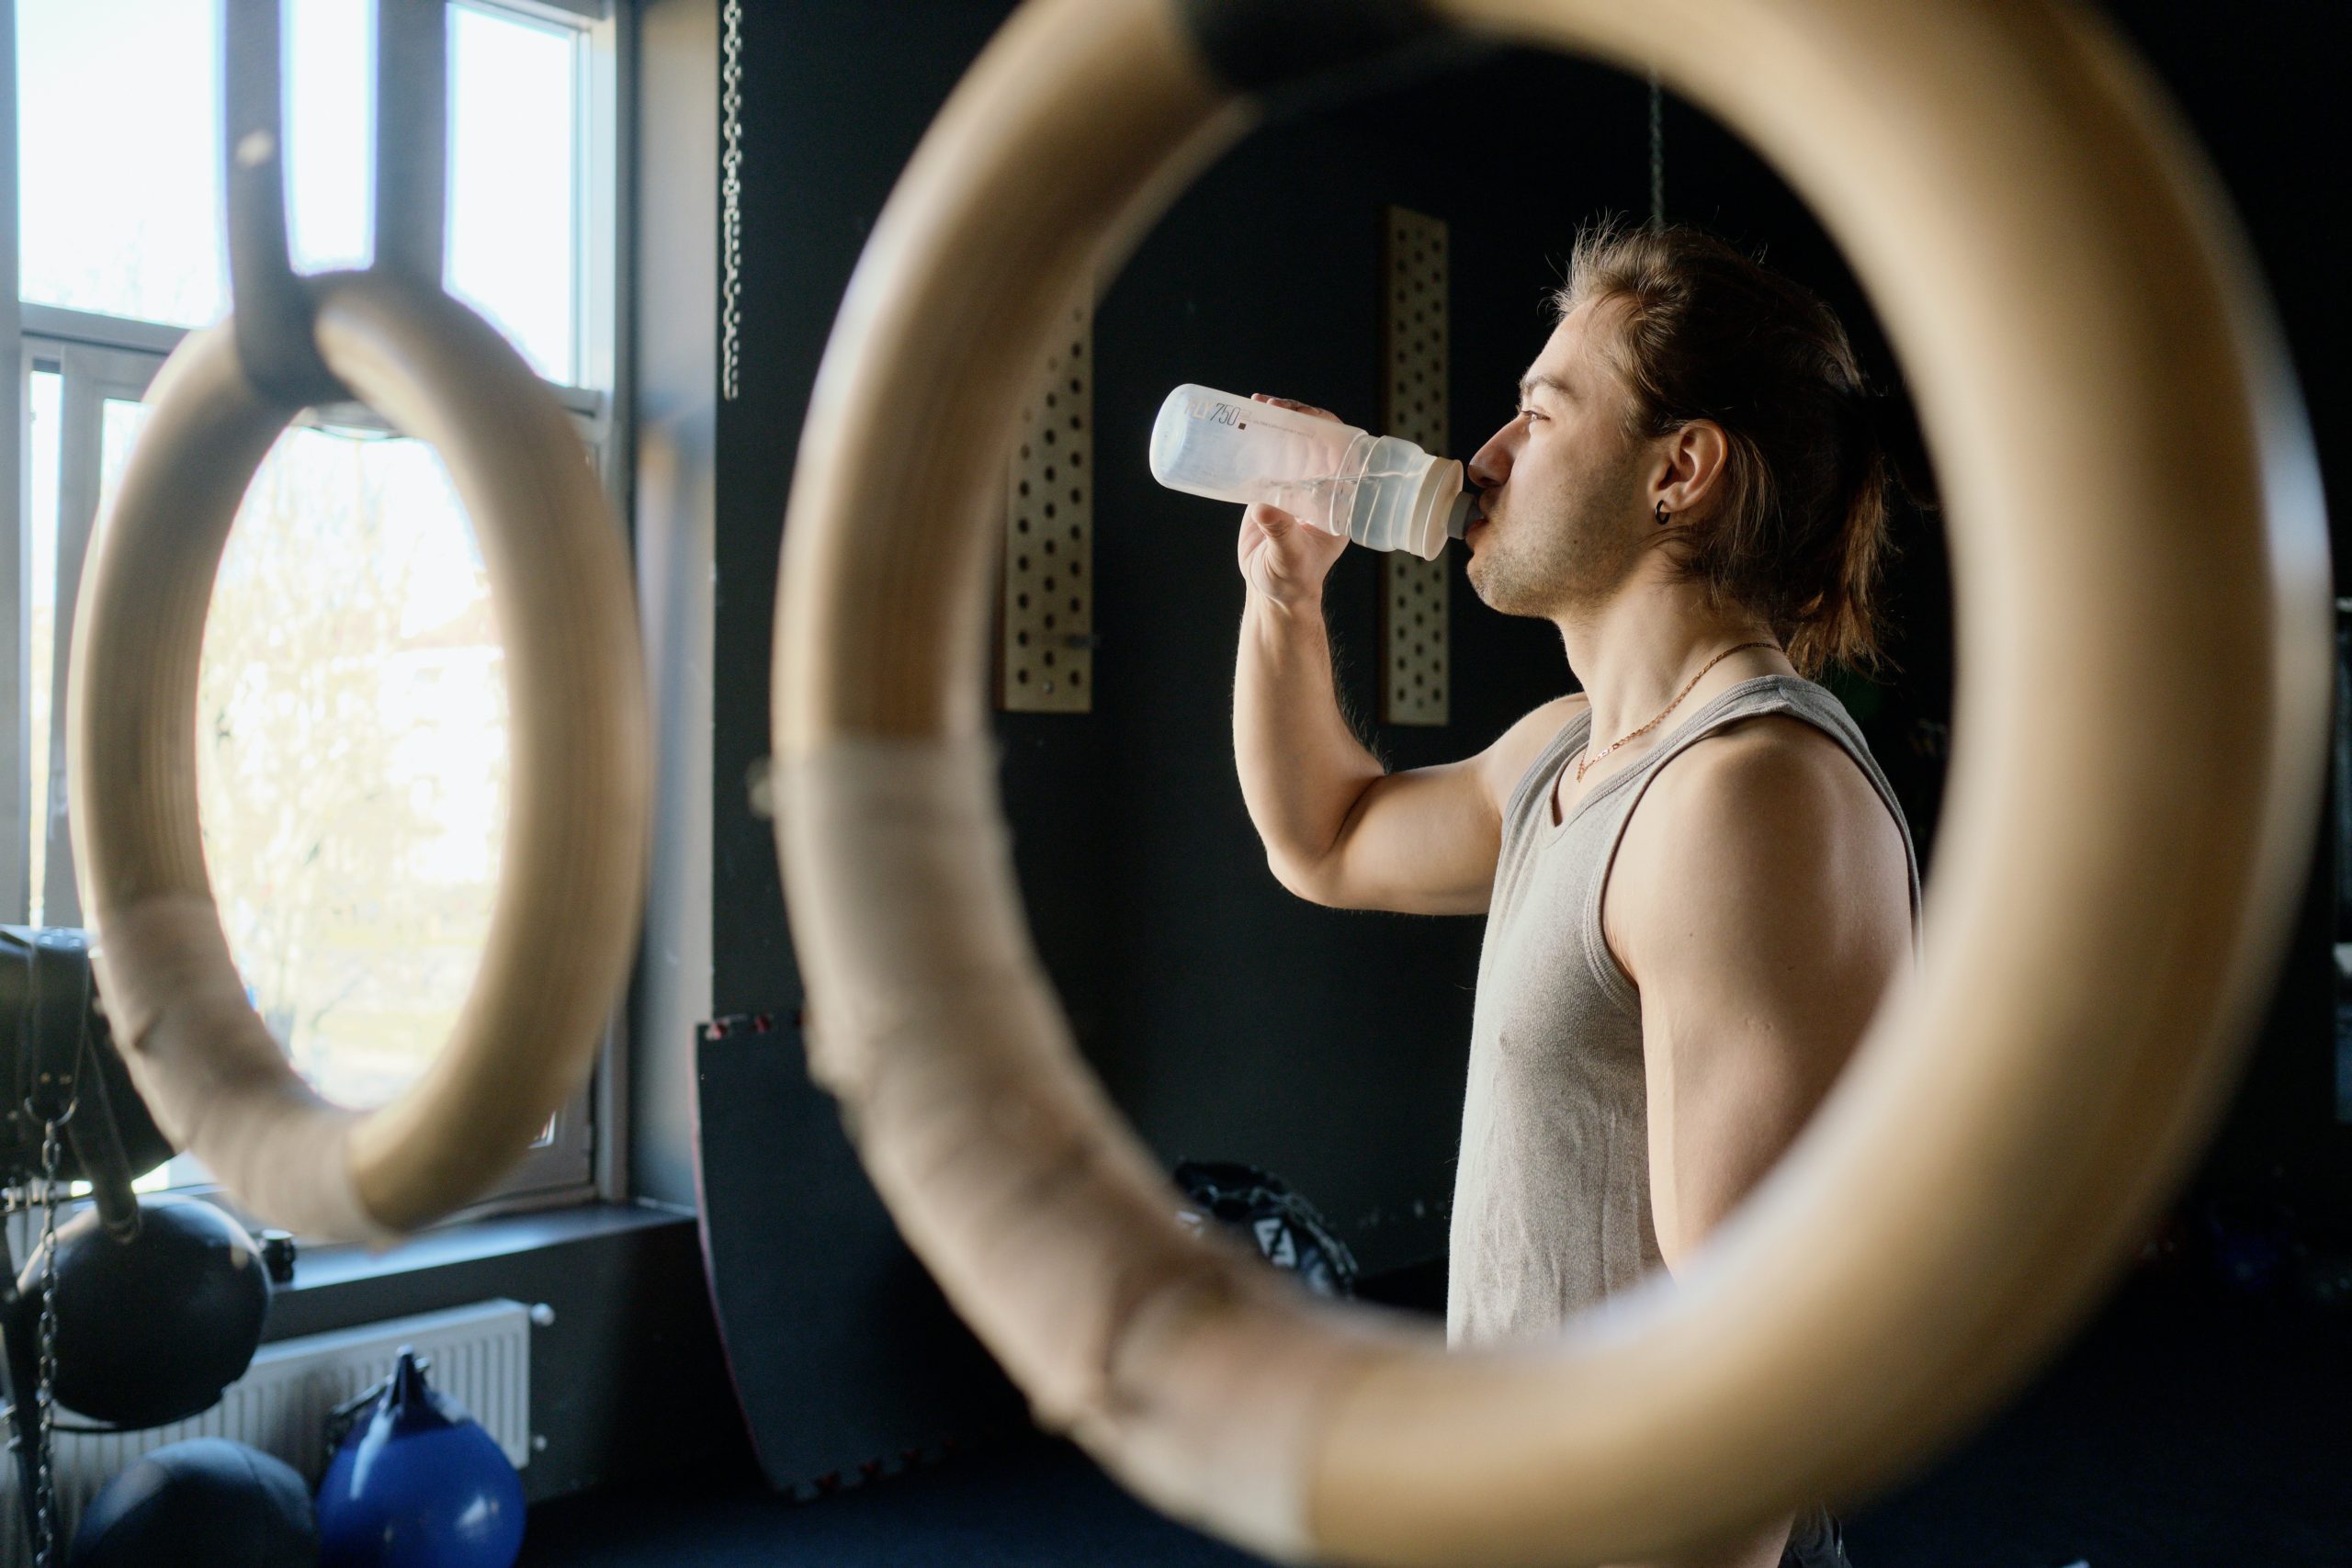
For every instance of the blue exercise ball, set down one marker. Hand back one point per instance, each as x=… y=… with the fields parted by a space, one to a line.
x=418 y=1483
x=199 y=1503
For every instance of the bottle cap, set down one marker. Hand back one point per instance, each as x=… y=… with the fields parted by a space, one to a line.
x=1441 y=508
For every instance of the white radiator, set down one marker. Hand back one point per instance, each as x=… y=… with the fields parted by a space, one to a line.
x=481 y=1356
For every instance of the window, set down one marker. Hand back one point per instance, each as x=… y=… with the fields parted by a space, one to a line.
x=352 y=752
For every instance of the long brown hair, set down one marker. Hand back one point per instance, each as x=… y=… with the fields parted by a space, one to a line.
x=1798 y=531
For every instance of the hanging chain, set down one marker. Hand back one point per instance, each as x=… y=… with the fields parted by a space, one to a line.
x=39 y=1104
x=1657 y=154
x=730 y=189
x=44 y=1499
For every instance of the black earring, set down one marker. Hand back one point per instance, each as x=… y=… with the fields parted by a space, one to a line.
x=1662 y=514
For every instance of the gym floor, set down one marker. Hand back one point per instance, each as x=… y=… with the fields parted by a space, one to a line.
x=2184 y=1429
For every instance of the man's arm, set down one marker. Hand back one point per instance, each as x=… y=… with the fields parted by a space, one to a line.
x=1338 y=829
x=1302 y=769
x=1761 y=902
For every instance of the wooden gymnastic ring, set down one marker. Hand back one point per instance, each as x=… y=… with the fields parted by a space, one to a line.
x=2135 y=532
x=563 y=925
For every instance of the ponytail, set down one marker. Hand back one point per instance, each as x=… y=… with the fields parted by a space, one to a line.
x=1797 y=533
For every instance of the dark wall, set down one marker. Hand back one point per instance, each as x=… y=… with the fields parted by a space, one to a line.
x=832 y=108
x=1229 y=1018
x=842 y=1353
x=2265 y=104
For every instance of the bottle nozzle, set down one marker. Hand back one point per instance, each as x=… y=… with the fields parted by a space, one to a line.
x=1457 y=518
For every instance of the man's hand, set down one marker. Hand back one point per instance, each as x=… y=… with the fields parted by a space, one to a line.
x=1280 y=557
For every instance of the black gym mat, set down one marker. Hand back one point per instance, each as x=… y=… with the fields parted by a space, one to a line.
x=2186 y=1429
x=1030 y=1503
x=847 y=1359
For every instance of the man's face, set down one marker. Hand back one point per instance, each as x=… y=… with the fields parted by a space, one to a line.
x=1563 y=487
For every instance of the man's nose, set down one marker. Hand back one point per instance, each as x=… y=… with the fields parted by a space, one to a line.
x=1491 y=466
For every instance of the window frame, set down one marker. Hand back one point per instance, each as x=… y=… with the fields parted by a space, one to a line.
x=101 y=357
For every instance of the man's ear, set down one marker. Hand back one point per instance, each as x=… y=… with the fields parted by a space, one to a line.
x=1695 y=463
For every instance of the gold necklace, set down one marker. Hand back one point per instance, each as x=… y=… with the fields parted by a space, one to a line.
x=1588 y=762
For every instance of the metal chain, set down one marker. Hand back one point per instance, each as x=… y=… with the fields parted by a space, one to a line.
x=1657 y=154
x=39 y=1103
x=1587 y=762
x=45 y=1485
x=730 y=189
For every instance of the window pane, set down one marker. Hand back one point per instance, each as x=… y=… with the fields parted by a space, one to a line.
x=513 y=205
x=330 y=152
x=351 y=755
x=121 y=182
x=44 y=430
x=121 y=187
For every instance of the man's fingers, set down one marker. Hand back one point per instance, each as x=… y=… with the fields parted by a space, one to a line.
x=1294 y=403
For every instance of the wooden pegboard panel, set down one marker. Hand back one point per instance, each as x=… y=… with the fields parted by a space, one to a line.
x=1415 y=594
x=1046 y=615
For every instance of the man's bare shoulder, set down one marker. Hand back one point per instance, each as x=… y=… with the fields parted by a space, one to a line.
x=1767 y=760
x=1768 y=811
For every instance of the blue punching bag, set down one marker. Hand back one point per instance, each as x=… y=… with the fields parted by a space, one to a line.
x=417 y=1483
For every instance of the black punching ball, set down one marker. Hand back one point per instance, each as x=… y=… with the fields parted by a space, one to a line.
x=151 y=1330
x=1260 y=1206
x=206 y=1503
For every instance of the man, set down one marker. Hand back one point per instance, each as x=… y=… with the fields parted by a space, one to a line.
x=1696 y=880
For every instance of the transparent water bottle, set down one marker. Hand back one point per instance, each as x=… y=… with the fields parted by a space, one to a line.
x=1383 y=493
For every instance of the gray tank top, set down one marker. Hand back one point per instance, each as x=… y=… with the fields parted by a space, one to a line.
x=1552 y=1193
